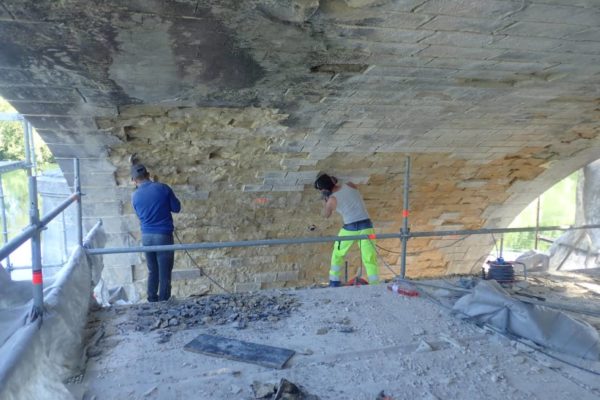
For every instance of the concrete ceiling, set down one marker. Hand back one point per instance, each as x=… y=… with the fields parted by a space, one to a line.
x=495 y=99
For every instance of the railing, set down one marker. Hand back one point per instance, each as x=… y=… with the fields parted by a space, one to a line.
x=404 y=235
x=33 y=232
x=36 y=224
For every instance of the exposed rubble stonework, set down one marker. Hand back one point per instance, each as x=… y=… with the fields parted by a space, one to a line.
x=238 y=105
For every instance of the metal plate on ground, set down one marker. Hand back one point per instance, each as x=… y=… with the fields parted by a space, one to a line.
x=267 y=356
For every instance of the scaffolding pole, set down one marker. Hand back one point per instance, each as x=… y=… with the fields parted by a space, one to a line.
x=36 y=253
x=4 y=224
x=28 y=232
x=323 y=239
x=79 y=209
x=29 y=133
x=405 y=231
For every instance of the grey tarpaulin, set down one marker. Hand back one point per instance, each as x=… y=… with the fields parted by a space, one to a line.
x=35 y=358
x=490 y=303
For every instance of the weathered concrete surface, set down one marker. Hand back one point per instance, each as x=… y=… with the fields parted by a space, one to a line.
x=239 y=104
x=350 y=343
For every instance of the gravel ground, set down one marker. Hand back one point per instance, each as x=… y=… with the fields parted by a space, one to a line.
x=349 y=343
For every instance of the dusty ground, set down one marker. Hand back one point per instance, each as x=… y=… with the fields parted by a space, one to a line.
x=350 y=343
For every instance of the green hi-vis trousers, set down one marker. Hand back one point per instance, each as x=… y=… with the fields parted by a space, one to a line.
x=367 y=252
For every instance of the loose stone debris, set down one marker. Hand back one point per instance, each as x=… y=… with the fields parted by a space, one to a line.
x=410 y=347
x=286 y=391
x=238 y=309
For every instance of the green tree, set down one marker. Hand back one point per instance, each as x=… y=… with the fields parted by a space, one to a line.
x=12 y=142
x=15 y=185
x=557 y=207
x=11 y=136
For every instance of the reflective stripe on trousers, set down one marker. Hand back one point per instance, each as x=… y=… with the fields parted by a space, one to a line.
x=334 y=273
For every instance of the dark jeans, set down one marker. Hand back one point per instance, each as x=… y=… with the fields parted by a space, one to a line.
x=160 y=265
x=358 y=225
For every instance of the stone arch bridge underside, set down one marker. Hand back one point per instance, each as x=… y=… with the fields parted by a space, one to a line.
x=239 y=104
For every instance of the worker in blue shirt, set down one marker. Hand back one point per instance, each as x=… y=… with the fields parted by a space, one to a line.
x=153 y=203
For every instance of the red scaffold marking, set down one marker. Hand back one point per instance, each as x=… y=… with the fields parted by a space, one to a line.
x=372 y=236
x=36 y=278
x=405 y=213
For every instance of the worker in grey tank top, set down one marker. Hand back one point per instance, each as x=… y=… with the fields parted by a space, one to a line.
x=347 y=201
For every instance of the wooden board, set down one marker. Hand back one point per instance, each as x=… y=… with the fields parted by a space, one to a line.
x=267 y=356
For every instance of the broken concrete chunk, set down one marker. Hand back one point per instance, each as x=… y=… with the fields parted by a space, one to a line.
x=164 y=337
x=287 y=390
x=156 y=324
x=424 y=347
x=418 y=331
x=263 y=390
x=150 y=391
x=240 y=324
x=454 y=342
x=322 y=331
x=290 y=391
x=549 y=364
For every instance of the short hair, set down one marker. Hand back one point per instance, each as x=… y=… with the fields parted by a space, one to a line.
x=326 y=182
x=138 y=171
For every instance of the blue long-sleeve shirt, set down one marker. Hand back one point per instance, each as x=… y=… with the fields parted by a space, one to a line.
x=153 y=203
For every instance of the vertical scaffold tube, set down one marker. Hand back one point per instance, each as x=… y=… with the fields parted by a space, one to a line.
x=36 y=253
x=4 y=224
x=405 y=216
x=78 y=192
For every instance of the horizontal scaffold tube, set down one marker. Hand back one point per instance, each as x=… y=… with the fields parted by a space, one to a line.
x=30 y=230
x=276 y=242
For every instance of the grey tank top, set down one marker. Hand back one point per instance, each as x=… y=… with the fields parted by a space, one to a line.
x=350 y=204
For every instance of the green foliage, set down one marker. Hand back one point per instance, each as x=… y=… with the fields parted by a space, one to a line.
x=15 y=183
x=5 y=106
x=557 y=207
x=12 y=142
x=44 y=154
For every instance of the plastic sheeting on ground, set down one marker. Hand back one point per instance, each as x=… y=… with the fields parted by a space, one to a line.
x=490 y=303
x=40 y=355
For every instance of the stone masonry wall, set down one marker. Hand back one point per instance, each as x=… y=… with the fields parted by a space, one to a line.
x=241 y=175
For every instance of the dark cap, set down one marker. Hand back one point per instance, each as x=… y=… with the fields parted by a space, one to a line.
x=325 y=182
x=138 y=171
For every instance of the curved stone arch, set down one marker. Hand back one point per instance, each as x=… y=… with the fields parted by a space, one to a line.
x=522 y=194
x=492 y=103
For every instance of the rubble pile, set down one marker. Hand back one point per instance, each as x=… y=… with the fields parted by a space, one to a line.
x=286 y=391
x=238 y=309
